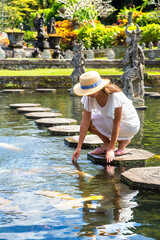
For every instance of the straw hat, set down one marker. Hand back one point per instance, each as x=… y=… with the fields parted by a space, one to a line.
x=90 y=82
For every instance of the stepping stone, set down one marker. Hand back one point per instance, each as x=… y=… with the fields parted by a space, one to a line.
x=37 y=115
x=140 y=107
x=33 y=109
x=46 y=90
x=135 y=157
x=148 y=93
x=155 y=95
x=13 y=90
x=89 y=141
x=142 y=178
x=19 y=105
x=49 y=122
x=64 y=130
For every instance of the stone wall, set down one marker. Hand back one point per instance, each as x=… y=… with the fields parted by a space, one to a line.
x=21 y=64
x=33 y=82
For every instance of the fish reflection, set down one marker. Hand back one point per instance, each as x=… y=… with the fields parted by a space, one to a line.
x=115 y=209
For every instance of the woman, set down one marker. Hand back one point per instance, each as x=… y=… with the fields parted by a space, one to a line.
x=108 y=113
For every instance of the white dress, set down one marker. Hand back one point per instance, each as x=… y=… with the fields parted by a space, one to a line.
x=102 y=117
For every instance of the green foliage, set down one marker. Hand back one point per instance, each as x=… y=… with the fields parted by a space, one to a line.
x=151 y=33
x=149 y=18
x=12 y=85
x=29 y=37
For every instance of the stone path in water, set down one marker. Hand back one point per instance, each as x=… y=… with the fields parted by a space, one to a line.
x=46 y=90
x=49 y=122
x=13 y=90
x=135 y=157
x=33 y=109
x=37 y=115
x=140 y=178
x=21 y=105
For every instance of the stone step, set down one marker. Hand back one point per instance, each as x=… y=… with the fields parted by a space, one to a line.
x=49 y=122
x=140 y=107
x=46 y=90
x=149 y=93
x=37 y=115
x=155 y=95
x=135 y=157
x=33 y=109
x=89 y=141
x=13 y=90
x=21 y=105
x=64 y=130
x=147 y=178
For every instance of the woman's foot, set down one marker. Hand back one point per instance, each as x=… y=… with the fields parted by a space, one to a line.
x=120 y=152
x=99 y=151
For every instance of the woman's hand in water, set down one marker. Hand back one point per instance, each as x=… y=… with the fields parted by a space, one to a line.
x=110 y=156
x=76 y=154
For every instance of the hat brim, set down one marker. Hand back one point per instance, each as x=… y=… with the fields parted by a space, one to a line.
x=84 y=92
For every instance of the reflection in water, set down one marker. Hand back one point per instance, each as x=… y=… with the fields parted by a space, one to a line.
x=45 y=164
x=116 y=208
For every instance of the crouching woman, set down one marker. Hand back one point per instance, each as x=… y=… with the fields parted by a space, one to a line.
x=108 y=113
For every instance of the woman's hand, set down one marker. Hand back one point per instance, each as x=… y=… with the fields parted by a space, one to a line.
x=110 y=156
x=76 y=154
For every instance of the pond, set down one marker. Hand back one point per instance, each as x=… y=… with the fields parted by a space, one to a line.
x=41 y=191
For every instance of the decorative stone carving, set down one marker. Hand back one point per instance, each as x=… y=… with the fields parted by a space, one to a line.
x=68 y=54
x=143 y=46
x=150 y=45
x=78 y=62
x=2 y=53
x=158 y=45
x=89 y=54
x=111 y=54
x=51 y=26
x=133 y=77
x=46 y=54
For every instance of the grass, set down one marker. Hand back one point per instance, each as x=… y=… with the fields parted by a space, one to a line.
x=67 y=72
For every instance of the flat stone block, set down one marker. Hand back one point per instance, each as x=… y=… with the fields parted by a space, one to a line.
x=142 y=178
x=89 y=141
x=33 y=109
x=13 y=90
x=21 y=105
x=64 y=130
x=135 y=157
x=140 y=107
x=149 y=93
x=46 y=90
x=37 y=115
x=49 y=122
x=155 y=95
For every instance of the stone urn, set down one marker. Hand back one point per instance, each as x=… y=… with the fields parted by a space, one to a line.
x=15 y=39
x=54 y=42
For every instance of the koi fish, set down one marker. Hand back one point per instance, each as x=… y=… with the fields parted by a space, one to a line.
x=54 y=194
x=9 y=147
x=83 y=174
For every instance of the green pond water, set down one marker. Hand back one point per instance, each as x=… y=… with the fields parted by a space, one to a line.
x=44 y=164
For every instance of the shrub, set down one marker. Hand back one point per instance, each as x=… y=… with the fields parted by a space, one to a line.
x=122 y=16
x=151 y=33
x=65 y=30
x=29 y=37
x=149 y=18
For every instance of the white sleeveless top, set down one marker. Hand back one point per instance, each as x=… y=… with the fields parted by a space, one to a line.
x=115 y=100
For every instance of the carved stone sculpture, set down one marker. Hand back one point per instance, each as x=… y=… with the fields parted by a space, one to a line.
x=78 y=62
x=39 y=25
x=51 y=26
x=133 y=77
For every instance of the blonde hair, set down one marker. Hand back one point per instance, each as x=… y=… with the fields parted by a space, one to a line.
x=111 y=88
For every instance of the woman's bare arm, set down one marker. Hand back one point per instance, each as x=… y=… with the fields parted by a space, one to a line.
x=85 y=123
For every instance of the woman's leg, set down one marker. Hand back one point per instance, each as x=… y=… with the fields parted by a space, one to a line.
x=122 y=144
x=105 y=140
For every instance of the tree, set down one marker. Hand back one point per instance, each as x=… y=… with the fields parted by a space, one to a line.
x=88 y=10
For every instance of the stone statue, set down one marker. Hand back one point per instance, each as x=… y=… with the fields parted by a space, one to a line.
x=39 y=25
x=78 y=62
x=21 y=26
x=133 y=65
x=51 y=26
